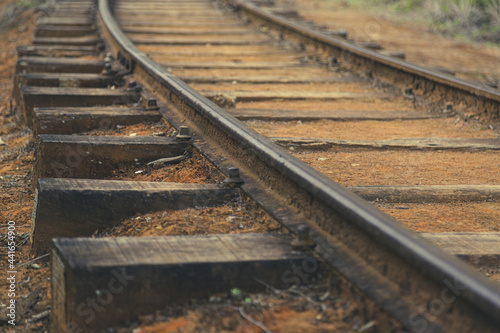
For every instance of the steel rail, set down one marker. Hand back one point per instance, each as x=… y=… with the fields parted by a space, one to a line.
x=384 y=67
x=394 y=266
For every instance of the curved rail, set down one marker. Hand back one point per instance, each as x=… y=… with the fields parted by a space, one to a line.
x=402 y=72
x=362 y=243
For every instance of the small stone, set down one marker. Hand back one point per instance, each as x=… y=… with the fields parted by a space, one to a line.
x=232 y=219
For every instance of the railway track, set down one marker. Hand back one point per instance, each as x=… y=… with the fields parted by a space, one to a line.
x=200 y=65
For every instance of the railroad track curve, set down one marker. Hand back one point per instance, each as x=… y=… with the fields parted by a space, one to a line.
x=204 y=67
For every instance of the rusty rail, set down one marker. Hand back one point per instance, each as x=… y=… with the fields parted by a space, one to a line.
x=425 y=289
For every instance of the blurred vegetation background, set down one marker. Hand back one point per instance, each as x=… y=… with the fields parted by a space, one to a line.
x=478 y=20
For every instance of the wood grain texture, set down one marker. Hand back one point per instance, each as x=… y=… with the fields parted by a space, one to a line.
x=77 y=41
x=407 y=143
x=58 y=65
x=75 y=80
x=76 y=120
x=297 y=95
x=285 y=115
x=93 y=157
x=481 y=249
x=64 y=21
x=428 y=194
x=79 y=207
x=60 y=97
x=55 y=50
x=58 y=31
x=156 y=272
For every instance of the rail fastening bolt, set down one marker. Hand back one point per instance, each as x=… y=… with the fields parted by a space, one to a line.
x=152 y=105
x=184 y=133
x=100 y=47
x=131 y=84
x=408 y=91
x=448 y=108
x=109 y=57
x=108 y=69
x=233 y=178
x=302 y=242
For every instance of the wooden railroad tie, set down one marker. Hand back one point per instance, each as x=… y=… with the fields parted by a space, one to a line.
x=67 y=80
x=75 y=41
x=287 y=115
x=76 y=120
x=65 y=97
x=99 y=283
x=481 y=249
x=66 y=22
x=63 y=31
x=428 y=194
x=79 y=207
x=249 y=96
x=59 y=65
x=77 y=156
x=55 y=50
x=404 y=143
x=183 y=41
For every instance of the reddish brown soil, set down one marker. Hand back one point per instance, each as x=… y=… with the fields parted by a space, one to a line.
x=241 y=216
x=192 y=170
x=305 y=309
x=161 y=128
x=356 y=167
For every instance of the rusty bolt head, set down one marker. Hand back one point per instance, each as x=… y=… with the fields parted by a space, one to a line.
x=152 y=105
x=109 y=58
x=408 y=91
x=303 y=232
x=234 y=172
x=233 y=178
x=100 y=47
x=302 y=242
x=184 y=133
x=108 y=69
x=448 y=108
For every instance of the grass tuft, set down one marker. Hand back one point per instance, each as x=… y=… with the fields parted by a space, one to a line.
x=477 y=20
